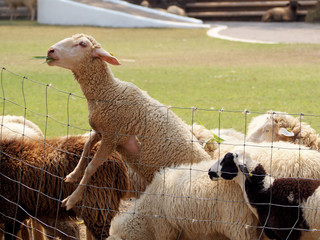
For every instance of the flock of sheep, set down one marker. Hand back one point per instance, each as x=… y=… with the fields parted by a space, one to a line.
x=140 y=148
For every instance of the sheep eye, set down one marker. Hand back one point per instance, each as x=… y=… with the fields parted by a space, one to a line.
x=82 y=44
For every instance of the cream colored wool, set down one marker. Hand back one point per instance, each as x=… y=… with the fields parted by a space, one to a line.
x=16 y=127
x=146 y=133
x=268 y=127
x=30 y=4
x=278 y=14
x=202 y=135
x=180 y=199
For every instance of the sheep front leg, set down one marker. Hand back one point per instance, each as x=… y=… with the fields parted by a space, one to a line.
x=99 y=158
x=78 y=171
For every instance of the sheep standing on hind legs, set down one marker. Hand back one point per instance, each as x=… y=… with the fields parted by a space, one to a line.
x=288 y=208
x=147 y=134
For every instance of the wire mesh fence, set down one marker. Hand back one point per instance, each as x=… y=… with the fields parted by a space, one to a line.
x=181 y=202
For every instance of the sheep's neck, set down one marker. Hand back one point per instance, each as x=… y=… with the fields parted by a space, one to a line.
x=257 y=186
x=92 y=76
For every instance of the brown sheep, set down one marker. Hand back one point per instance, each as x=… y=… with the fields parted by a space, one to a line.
x=28 y=166
x=30 y=4
x=279 y=14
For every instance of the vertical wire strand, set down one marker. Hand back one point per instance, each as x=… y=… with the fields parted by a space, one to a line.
x=211 y=218
x=44 y=153
x=245 y=113
x=2 y=118
x=270 y=172
x=298 y=177
x=65 y=162
x=217 y=191
x=21 y=159
x=188 y=198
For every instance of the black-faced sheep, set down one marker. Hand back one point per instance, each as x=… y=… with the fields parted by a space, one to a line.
x=287 y=208
x=279 y=126
x=184 y=202
x=147 y=134
x=278 y=14
x=30 y=4
x=32 y=175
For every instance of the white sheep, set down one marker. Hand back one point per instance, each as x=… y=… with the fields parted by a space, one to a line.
x=208 y=138
x=174 y=9
x=30 y=4
x=280 y=126
x=147 y=134
x=278 y=14
x=287 y=208
x=16 y=127
x=184 y=202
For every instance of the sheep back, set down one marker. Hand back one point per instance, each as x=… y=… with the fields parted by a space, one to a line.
x=32 y=167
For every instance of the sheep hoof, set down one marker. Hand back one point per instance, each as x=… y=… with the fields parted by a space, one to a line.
x=64 y=202
x=67 y=203
x=70 y=179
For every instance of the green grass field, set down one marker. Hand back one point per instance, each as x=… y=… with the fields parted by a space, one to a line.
x=180 y=68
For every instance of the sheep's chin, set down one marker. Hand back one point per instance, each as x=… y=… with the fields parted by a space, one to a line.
x=52 y=62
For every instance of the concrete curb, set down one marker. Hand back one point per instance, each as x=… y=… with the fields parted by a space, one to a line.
x=215 y=33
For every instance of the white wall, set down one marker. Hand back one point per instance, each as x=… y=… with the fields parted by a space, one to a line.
x=65 y=12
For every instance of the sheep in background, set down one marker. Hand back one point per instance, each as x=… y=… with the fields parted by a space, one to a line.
x=278 y=126
x=207 y=140
x=15 y=127
x=30 y=4
x=278 y=14
x=184 y=202
x=174 y=9
x=288 y=208
x=50 y=162
x=147 y=134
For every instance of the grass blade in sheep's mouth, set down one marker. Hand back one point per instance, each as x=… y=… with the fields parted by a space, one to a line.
x=43 y=57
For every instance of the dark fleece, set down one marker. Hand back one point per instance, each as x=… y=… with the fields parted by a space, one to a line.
x=280 y=213
x=27 y=166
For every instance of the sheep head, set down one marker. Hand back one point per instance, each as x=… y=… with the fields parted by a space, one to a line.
x=229 y=167
x=267 y=128
x=294 y=5
x=70 y=52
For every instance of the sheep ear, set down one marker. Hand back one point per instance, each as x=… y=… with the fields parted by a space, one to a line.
x=285 y=132
x=105 y=56
x=243 y=168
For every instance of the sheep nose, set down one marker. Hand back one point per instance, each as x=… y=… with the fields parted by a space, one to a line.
x=50 y=51
x=213 y=175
